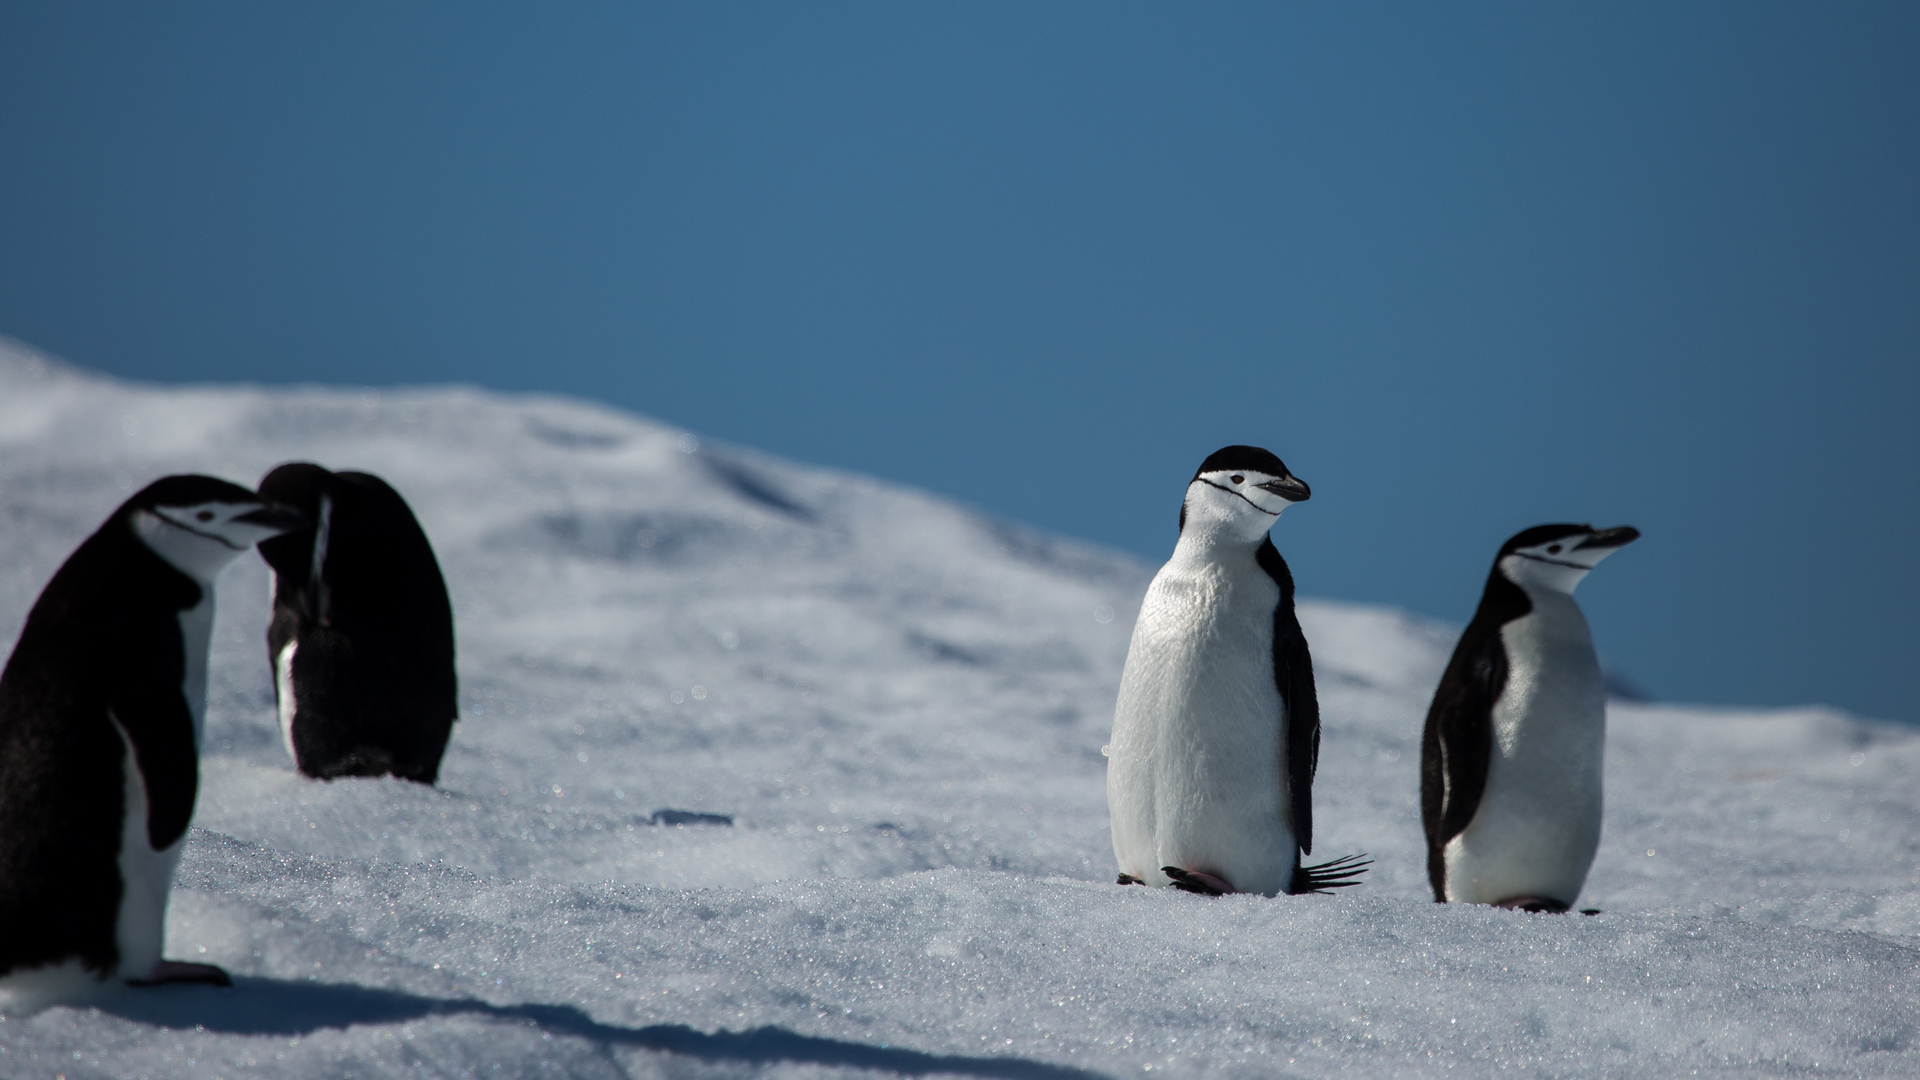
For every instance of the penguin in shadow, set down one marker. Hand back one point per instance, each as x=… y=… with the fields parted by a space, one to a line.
x=361 y=640
x=102 y=715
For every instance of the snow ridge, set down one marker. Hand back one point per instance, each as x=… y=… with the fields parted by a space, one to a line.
x=899 y=704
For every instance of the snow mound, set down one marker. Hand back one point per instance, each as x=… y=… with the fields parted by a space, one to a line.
x=767 y=770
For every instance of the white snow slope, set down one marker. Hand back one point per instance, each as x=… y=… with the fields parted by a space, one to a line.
x=901 y=703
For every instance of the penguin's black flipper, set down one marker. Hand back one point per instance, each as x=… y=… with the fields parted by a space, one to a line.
x=1457 y=744
x=143 y=690
x=1332 y=874
x=1293 y=674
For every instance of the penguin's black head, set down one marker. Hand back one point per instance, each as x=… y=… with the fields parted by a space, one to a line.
x=201 y=523
x=1558 y=557
x=1241 y=490
x=298 y=484
x=308 y=488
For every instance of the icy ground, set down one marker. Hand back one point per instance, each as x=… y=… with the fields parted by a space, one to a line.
x=901 y=704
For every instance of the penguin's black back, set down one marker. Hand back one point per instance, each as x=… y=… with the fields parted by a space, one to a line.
x=103 y=638
x=1457 y=745
x=374 y=663
x=1293 y=674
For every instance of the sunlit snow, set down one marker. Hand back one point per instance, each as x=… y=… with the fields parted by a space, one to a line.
x=900 y=703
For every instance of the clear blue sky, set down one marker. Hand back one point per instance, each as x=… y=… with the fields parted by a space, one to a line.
x=1466 y=268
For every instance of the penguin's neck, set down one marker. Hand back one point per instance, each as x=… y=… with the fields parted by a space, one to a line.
x=200 y=560
x=1205 y=542
x=1554 y=619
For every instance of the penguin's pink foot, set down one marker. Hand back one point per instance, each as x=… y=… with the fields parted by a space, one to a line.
x=177 y=971
x=1129 y=879
x=1194 y=881
x=1535 y=904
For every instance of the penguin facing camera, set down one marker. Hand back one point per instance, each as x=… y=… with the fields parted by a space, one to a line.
x=361 y=640
x=1510 y=762
x=102 y=711
x=1216 y=733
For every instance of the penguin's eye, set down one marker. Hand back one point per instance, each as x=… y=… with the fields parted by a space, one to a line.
x=1553 y=549
x=1237 y=479
x=204 y=515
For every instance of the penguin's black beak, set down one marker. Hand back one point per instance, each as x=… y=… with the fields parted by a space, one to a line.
x=1290 y=488
x=1610 y=538
x=281 y=519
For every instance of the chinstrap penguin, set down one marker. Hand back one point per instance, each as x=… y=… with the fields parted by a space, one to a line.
x=102 y=708
x=361 y=640
x=1216 y=732
x=1510 y=763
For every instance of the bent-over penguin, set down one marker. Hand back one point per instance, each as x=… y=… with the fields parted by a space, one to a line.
x=1216 y=732
x=102 y=707
x=1511 y=758
x=361 y=640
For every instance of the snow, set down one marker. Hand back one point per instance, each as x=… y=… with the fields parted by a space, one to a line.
x=900 y=702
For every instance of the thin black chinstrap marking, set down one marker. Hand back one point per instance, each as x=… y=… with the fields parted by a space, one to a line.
x=1553 y=562
x=1237 y=495
x=197 y=532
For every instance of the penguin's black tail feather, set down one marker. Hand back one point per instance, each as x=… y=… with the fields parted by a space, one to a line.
x=1330 y=875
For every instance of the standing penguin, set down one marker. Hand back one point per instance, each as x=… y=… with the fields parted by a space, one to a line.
x=102 y=707
x=1217 y=731
x=361 y=640
x=1511 y=759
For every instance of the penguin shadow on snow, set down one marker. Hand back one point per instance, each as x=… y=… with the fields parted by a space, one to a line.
x=286 y=1008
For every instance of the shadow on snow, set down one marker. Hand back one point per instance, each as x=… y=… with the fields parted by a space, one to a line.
x=284 y=1008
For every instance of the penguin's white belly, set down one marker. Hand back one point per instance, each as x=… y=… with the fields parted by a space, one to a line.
x=283 y=693
x=1538 y=824
x=146 y=879
x=146 y=875
x=196 y=634
x=1196 y=764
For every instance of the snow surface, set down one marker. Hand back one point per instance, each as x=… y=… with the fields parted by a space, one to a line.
x=901 y=703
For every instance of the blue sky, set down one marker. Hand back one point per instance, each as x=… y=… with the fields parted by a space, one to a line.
x=1466 y=269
